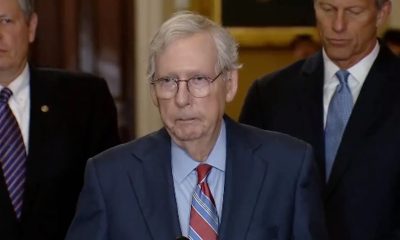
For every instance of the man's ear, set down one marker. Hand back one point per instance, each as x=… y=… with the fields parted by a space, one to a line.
x=231 y=85
x=383 y=13
x=32 y=26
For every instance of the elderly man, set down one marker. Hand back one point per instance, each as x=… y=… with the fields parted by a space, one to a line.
x=202 y=176
x=345 y=101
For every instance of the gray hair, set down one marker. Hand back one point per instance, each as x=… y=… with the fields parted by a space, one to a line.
x=27 y=7
x=184 y=24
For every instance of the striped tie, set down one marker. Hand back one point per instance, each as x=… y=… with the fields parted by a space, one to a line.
x=12 y=152
x=203 y=223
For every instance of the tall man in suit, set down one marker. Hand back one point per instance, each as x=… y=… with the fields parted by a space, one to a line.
x=202 y=176
x=353 y=125
x=57 y=119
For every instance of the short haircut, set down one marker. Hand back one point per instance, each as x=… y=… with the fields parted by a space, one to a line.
x=27 y=7
x=184 y=24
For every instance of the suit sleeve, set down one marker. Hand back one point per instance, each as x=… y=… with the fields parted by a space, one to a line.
x=309 y=215
x=90 y=219
x=104 y=130
x=252 y=111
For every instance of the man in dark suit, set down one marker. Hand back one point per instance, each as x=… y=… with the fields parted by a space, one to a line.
x=360 y=158
x=202 y=176
x=61 y=119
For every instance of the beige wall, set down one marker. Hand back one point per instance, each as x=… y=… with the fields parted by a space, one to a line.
x=148 y=17
x=256 y=62
x=395 y=16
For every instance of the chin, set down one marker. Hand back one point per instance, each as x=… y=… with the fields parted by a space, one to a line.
x=338 y=54
x=186 y=134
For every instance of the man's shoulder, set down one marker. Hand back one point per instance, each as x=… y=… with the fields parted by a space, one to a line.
x=139 y=148
x=276 y=148
x=56 y=85
x=285 y=74
x=66 y=78
x=265 y=139
x=272 y=137
x=290 y=74
x=387 y=62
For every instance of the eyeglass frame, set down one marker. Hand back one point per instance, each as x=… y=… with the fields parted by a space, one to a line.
x=177 y=81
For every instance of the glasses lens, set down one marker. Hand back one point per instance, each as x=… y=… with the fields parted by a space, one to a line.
x=199 y=86
x=165 y=87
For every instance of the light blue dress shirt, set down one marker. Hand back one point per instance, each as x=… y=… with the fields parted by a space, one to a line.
x=185 y=177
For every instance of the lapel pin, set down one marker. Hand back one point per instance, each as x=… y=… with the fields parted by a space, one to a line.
x=44 y=108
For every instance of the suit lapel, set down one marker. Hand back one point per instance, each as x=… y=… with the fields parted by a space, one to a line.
x=244 y=176
x=44 y=119
x=365 y=116
x=312 y=81
x=42 y=115
x=152 y=181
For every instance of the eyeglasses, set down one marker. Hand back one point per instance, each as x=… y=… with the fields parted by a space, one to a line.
x=198 y=86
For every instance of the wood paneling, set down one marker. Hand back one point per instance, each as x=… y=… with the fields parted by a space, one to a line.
x=93 y=36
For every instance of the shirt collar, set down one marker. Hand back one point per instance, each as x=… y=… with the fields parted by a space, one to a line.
x=358 y=72
x=19 y=85
x=361 y=69
x=183 y=164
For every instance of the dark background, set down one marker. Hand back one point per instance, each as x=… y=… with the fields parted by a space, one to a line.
x=94 y=36
x=267 y=13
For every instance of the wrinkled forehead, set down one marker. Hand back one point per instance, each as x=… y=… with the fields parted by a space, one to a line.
x=191 y=52
x=177 y=36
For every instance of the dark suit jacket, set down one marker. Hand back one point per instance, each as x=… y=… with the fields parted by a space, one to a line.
x=271 y=190
x=362 y=197
x=80 y=122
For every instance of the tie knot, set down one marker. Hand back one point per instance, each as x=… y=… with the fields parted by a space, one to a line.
x=202 y=172
x=342 y=75
x=5 y=95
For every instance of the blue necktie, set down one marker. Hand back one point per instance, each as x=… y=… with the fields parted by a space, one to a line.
x=203 y=223
x=12 y=152
x=338 y=114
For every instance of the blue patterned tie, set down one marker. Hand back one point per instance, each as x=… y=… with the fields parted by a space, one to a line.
x=203 y=224
x=338 y=114
x=12 y=152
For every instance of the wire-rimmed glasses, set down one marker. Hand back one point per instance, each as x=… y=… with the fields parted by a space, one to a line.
x=198 y=86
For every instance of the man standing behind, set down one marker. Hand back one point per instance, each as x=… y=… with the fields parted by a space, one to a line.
x=202 y=176
x=51 y=122
x=345 y=101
